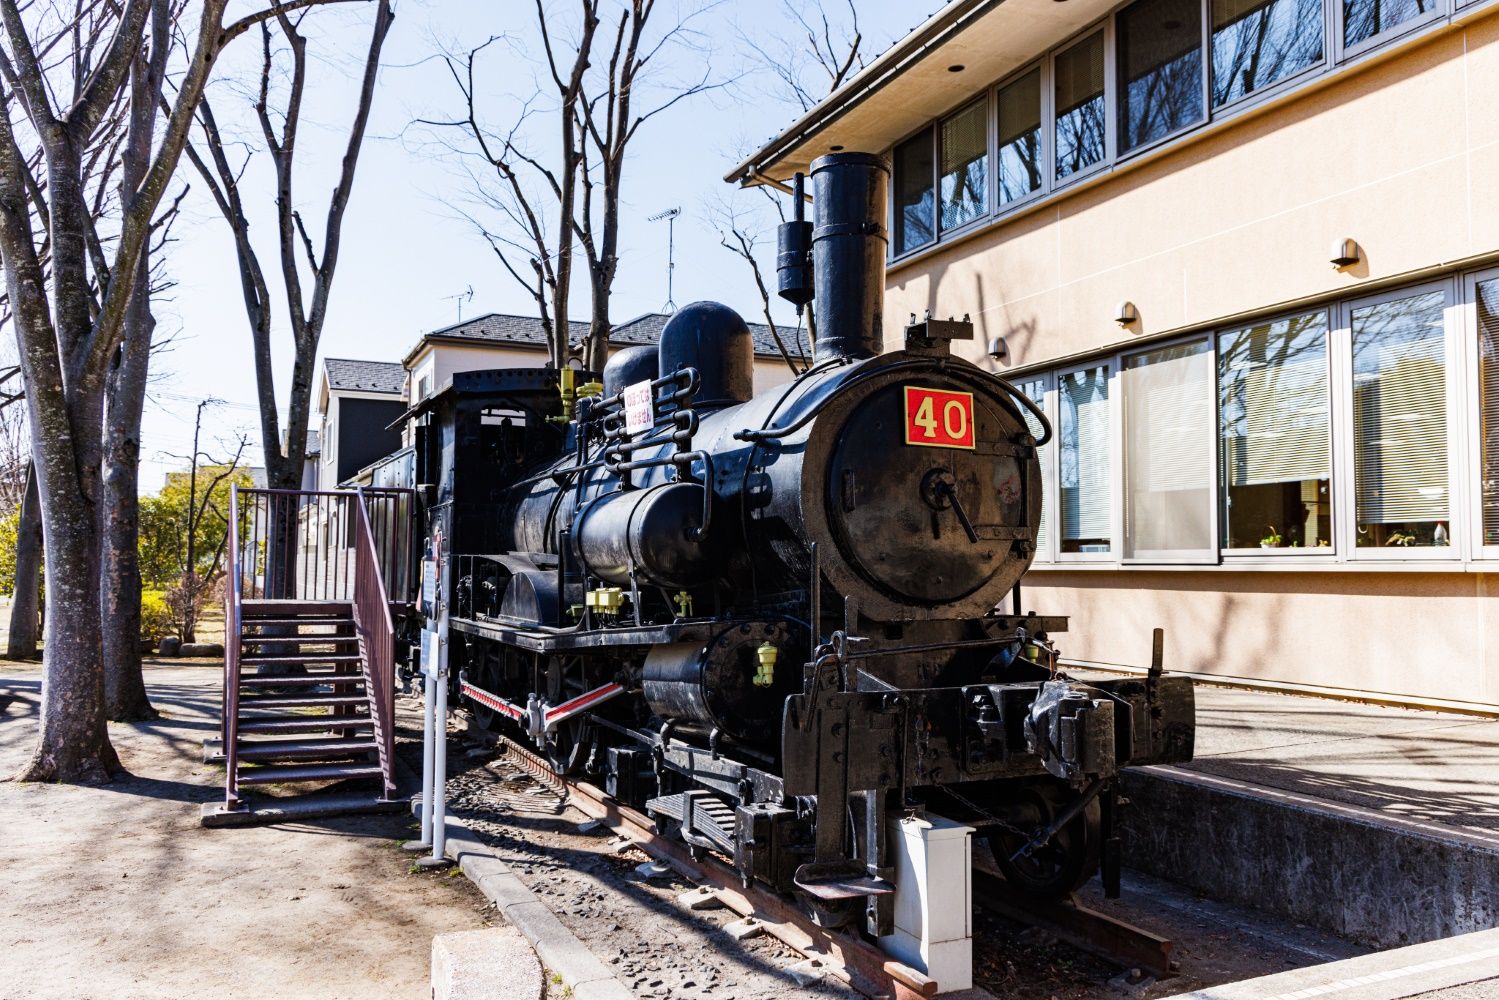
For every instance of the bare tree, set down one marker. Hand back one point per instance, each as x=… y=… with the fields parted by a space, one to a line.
x=546 y=206
x=286 y=454
x=71 y=320
x=810 y=54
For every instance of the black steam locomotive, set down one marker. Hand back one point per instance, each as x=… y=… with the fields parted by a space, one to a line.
x=772 y=621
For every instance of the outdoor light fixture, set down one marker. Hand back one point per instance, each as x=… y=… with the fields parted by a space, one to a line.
x=1346 y=253
x=999 y=350
x=1126 y=313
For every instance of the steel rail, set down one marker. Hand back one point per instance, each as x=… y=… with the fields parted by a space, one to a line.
x=852 y=960
x=863 y=966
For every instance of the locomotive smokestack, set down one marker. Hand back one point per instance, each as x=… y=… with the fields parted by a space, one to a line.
x=848 y=254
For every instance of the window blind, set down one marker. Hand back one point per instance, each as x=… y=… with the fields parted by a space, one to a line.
x=1273 y=383
x=1488 y=404
x=1169 y=450
x=1400 y=411
x=1035 y=390
x=1085 y=454
x=964 y=155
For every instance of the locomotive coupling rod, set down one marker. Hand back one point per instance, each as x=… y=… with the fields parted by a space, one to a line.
x=1067 y=816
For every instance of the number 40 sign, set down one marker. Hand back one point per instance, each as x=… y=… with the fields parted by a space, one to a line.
x=939 y=418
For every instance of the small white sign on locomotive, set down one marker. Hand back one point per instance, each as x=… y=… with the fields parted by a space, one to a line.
x=639 y=408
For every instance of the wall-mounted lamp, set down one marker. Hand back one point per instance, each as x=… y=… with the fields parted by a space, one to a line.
x=1346 y=253
x=1126 y=314
x=999 y=350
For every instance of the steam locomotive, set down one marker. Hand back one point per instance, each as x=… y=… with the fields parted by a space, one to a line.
x=773 y=621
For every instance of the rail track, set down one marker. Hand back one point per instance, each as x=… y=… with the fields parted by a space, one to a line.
x=844 y=956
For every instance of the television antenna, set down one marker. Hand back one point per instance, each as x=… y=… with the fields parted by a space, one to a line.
x=670 y=215
x=464 y=296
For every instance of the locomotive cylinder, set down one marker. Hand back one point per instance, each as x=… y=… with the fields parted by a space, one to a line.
x=652 y=531
x=848 y=254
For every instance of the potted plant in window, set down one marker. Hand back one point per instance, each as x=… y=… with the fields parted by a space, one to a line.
x=1271 y=540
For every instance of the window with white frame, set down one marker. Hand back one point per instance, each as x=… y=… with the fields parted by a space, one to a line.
x=1159 y=45
x=1082 y=130
x=915 y=197
x=1020 y=163
x=1401 y=493
x=1486 y=296
x=1169 y=455
x=1259 y=42
x=1083 y=468
x=964 y=145
x=1035 y=391
x=1276 y=456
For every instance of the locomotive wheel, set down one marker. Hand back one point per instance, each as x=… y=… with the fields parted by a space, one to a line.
x=1058 y=867
x=486 y=674
x=570 y=743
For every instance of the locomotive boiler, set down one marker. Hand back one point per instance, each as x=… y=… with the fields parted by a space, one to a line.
x=775 y=621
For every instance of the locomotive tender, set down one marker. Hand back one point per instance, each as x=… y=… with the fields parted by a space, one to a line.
x=772 y=621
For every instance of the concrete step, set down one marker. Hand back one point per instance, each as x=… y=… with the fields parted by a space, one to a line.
x=255 y=813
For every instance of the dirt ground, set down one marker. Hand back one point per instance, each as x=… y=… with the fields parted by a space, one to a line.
x=117 y=892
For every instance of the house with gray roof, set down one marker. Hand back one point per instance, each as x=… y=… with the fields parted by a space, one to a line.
x=359 y=400
x=500 y=340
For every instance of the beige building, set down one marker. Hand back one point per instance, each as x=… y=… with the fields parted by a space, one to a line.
x=1246 y=254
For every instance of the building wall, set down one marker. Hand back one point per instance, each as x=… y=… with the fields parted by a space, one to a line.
x=442 y=361
x=1393 y=153
x=1396 y=153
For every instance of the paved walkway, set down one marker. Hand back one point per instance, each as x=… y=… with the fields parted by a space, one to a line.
x=116 y=892
x=1433 y=767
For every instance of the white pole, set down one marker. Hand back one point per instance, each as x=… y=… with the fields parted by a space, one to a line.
x=428 y=746
x=440 y=775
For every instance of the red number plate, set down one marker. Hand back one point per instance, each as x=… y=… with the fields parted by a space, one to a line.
x=939 y=418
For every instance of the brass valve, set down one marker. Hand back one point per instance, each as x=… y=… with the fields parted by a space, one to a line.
x=683 y=601
x=766 y=675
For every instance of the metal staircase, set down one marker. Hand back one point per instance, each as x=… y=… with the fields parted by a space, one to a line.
x=309 y=671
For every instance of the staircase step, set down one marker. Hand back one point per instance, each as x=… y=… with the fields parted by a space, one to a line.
x=305 y=724
x=299 y=680
x=271 y=608
x=296 y=640
x=303 y=749
x=330 y=619
x=303 y=701
x=275 y=774
x=308 y=657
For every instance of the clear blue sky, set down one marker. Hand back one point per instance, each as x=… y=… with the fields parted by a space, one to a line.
x=405 y=251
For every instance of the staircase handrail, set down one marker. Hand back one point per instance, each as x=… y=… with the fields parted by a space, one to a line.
x=376 y=633
x=233 y=596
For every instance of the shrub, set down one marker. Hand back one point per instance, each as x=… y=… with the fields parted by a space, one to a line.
x=156 y=616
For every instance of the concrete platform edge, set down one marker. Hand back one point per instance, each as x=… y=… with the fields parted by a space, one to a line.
x=1383 y=975
x=1360 y=874
x=558 y=948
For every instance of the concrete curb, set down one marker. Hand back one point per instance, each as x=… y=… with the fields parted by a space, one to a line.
x=557 y=947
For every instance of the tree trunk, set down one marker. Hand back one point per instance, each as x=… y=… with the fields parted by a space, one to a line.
x=21 y=644
x=120 y=582
x=73 y=744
